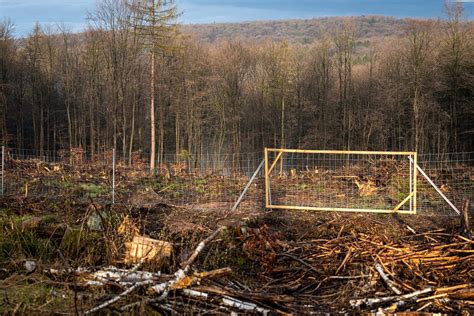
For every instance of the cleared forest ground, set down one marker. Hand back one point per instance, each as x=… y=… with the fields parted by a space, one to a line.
x=53 y=245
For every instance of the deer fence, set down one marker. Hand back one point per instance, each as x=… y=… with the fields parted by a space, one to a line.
x=216 y=180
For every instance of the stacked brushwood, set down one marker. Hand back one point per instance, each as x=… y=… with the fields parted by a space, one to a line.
x=349 y=272
x=357 y=271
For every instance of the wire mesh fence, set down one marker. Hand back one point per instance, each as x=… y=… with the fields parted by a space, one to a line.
x=213 y=181
x=216 y=180
x=207 y=181
x=341 y=181
x=453 y=174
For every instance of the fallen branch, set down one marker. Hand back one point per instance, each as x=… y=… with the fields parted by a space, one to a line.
x=163 y=288
x=392 y=285
x=302 y=262
x=244 y=306
x=465 y=294
x=228 y=301
x=373 y=301
x=124 y=277
x=194 y=293
x=113 y=274
x=118 y=297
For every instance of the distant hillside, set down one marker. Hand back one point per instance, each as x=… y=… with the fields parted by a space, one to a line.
x=295 y=31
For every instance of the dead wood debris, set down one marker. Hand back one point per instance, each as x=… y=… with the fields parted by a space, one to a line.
x=430 y=271
x=416 y=271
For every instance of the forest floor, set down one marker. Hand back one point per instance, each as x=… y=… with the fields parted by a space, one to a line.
x=261 y=261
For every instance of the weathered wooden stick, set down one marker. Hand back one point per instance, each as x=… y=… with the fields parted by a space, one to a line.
x=465 y=294
x=432 y=297
x=452 y=288
x=390 y=283
x=424 y=306
x=123 y=277
x=465 y=231
x=196 y=277
x=378 y=300
x=108 y=274
x=118 y=297
x=228 y=301
x=349 y=277
x=244 y=306
x=194 y=293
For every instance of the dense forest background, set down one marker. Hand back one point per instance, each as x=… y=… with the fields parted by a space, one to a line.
x=297 y=31
x=371 y=83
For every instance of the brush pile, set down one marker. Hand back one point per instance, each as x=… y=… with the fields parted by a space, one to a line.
x=344 y=265
x=431 y=271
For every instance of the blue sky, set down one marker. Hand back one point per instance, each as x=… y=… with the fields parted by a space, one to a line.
x=24 y=13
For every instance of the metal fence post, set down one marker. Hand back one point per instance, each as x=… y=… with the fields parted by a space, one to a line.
x=3 y=167
x=113 y=176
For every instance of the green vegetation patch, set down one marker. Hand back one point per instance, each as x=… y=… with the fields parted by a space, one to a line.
x=92 y=190
x=34 y=296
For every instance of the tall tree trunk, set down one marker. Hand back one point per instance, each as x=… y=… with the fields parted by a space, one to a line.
x=132 y=132
x=152 y=112
x=161 y=130
x=69 y=121
x=41 y=131
x=177 y=134
x=91 y=125
x=282 y=139
x=124 y=131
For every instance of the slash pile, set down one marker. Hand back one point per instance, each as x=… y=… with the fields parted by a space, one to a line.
x=431 y=271
x=342 y=265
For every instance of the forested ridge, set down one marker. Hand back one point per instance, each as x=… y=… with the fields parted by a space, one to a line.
x=303 y=31
x=407 y=87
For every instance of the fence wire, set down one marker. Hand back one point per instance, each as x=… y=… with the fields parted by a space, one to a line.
x=215 y=180
x=207 y=181
x=349 y=181
x=453 y=173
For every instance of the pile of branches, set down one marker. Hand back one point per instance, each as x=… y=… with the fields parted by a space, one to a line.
x=349 y=272
x=354 y=271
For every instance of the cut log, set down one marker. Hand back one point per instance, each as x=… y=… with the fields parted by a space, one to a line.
x=147 y=250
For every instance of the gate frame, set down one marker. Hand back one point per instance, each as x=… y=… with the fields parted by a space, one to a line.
x=411 y=156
